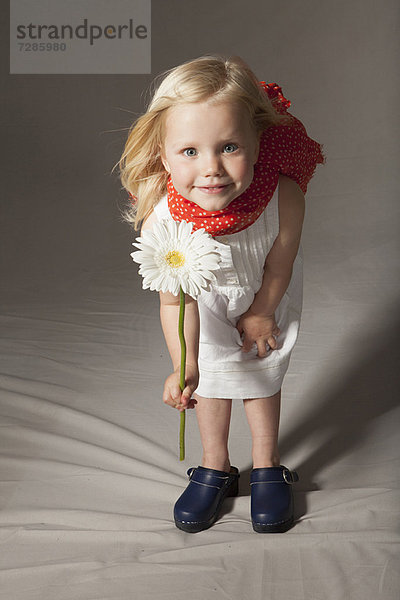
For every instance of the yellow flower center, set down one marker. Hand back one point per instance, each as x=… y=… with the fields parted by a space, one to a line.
x=175 y=259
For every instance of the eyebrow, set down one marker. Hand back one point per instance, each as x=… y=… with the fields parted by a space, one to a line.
x=191 y=144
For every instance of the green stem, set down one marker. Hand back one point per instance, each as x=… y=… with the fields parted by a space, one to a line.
x=182 y=372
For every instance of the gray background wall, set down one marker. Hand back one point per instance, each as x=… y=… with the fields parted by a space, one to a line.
x=335 y=60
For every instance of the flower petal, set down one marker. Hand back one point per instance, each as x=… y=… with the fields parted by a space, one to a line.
x=199 y=251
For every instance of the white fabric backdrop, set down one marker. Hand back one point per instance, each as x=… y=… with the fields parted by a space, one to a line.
x=89 y=463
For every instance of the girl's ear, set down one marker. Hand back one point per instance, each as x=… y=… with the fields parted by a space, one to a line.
x=164 y=161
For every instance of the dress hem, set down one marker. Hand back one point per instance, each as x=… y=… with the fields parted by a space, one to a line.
x=218 y=388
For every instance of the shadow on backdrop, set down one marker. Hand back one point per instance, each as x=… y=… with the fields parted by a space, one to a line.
x=344 y=413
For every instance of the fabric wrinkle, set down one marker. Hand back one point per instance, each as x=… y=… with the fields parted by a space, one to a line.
x=225 y=370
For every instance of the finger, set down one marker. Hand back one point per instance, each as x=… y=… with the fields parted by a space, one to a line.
x=176 y=393
x=178 y=404
x=192 y=401
x=166 y=397
x=247 y=345
x=189 y=405
x=186 y=396
x=172 y=396
x=262 y=349
x=170 y=402
x=272 y=342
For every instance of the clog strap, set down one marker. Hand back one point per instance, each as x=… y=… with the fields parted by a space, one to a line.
x=212 y=477
x=273 y=475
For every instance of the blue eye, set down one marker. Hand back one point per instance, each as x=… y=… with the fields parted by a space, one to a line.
x=190 y=152
x=229 y=148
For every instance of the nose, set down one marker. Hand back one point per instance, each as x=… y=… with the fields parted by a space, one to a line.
x=212 y=165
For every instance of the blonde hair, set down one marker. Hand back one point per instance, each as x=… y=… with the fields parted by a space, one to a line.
x=206 y=78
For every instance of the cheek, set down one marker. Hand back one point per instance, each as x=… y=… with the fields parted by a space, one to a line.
x=245 y=170
x=181 y=173
x=181 y=180
x=176 y=175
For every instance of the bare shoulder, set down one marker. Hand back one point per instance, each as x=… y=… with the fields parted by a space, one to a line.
x=291 y=200
x=149 y=221
x=289 y=189
x=291 y=210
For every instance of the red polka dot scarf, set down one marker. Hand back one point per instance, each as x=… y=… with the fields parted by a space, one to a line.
x=284 y=149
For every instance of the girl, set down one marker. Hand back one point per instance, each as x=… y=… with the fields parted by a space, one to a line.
x=219 y=149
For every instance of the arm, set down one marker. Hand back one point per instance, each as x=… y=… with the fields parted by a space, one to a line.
x=258 y=324
x=169 y=316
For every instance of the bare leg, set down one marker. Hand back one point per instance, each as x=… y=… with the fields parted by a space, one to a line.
x=263 y=417
x=213 y=417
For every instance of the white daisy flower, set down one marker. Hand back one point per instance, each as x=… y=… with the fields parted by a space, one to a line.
x=172 y=257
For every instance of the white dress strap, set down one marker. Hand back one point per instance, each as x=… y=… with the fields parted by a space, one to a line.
x=161 y=209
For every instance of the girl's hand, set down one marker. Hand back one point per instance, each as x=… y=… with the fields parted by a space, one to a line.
x=261 y=330
x=172 y=394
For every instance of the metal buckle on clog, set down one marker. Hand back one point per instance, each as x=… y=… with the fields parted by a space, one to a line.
x=290 y=476
x=190 y=472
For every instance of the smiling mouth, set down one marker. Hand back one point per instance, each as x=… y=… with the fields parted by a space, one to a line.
x=212 y=189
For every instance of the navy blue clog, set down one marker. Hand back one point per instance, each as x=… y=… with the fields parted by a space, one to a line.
x=272 y=499
x=199 y=505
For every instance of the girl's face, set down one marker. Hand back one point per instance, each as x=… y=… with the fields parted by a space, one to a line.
x=209 y=150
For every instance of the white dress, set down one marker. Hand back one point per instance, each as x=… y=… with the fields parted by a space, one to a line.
x=226 y=371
